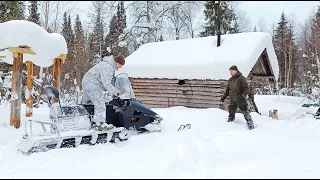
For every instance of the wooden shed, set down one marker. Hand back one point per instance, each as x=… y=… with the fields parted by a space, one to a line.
x=193 y=72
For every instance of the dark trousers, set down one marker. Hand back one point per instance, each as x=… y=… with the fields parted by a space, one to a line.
x=243 y=106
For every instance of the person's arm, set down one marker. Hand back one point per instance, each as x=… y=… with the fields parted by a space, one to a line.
x=106 y=72
x=245 y=87
x=226 y=93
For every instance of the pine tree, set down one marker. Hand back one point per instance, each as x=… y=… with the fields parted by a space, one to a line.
x=96 y=38
x=70 y=32
x=255 y=29
x=286 y=51
x=34 y=16
x=115 y=37
x=15 y=10
x=11 y=10
x=67 y=67
x=4 y=11
x=111 y=38
x=161 y=38
x=79 y=61
x=228 y=20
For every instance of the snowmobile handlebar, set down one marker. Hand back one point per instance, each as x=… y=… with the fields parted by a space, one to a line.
x=116 y=97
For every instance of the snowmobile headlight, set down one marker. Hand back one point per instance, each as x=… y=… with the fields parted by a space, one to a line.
x=158 y=118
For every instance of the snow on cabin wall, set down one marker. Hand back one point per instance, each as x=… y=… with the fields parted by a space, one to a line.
x=47 y=46
x=199 y=58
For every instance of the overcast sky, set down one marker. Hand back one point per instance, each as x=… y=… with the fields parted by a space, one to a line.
x=270 y=11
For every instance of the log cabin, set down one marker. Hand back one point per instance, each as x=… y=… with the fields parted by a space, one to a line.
x=193 y=72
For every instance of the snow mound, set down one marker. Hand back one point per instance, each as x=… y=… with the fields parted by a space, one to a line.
x=47 y=46
x=200 y=58
x=212 y=148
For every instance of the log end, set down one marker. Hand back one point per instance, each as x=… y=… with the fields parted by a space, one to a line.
x=29 y=114
x=15 y=123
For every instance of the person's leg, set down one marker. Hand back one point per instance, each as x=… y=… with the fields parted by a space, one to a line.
x=232 y=111
x=86 y=90
x=97 y=98
x=244 y=108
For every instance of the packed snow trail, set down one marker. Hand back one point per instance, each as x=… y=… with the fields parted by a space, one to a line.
x=212 y=148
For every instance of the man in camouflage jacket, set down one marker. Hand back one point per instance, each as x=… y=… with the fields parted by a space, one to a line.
x=238 y=90
x=98 y=82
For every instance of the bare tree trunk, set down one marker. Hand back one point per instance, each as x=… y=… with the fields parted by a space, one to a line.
x=149 y=22
x=289 y=75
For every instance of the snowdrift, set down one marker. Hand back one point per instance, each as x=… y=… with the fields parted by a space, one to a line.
x=47 y=46
x=212 y=148
x=200 y=58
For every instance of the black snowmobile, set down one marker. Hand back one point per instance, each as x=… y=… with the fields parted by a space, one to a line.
x=70 y=125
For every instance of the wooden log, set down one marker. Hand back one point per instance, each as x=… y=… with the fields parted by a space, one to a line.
x=171 y=104
x=56 y=75
x=195 y=96
x=181 y=100
x=182 y=92
x=15 y=111
x=29 y=103
x=135 y=84
x=175 y=81
x=21 y=50
x=1 y=57
x=180 y=88
x=194 y=106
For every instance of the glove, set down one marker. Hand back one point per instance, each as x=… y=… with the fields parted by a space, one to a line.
x=222 y=99
x=243 y=99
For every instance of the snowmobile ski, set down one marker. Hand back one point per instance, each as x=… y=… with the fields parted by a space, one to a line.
x=67 y=139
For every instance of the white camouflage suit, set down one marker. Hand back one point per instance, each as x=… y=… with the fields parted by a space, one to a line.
x=95 y=83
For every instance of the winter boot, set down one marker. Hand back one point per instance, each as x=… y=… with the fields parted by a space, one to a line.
x=248 y=118
x=250 y=125
x=230 y=119
x=102 y=126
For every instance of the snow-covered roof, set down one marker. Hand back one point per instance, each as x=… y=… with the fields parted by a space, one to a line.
x=46 y=46
x=200 y=58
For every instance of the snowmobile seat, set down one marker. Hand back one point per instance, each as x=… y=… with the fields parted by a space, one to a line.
x=89 y=108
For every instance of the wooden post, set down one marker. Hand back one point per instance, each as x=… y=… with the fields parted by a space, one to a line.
x=29 y=103
x=16 y=90
x=57 y=71
x=15 y=111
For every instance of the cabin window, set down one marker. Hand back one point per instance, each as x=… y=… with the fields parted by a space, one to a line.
x=181 y=82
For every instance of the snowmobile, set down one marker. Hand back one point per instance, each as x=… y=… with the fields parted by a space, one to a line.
x=70 y=126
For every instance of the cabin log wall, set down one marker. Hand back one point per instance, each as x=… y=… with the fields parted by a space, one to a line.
x=163 y=93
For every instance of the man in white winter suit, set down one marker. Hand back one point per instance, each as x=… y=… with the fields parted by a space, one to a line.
x=99 y=81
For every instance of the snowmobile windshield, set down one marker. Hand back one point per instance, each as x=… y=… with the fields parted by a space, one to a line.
x=124 y=85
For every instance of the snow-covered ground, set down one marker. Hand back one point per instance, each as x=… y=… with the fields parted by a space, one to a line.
x=212 y=148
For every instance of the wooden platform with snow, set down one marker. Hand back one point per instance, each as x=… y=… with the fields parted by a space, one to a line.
x=193 y=72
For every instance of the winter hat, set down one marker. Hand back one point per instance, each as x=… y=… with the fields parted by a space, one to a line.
x=234 y=68
x=119 y=59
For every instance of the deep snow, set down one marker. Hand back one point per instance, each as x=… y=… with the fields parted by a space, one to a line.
x=212 y=148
